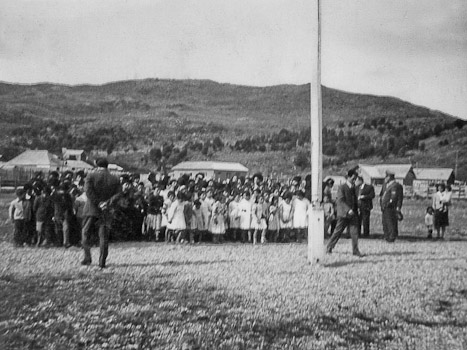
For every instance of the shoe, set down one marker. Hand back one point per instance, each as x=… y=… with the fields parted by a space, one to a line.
x=360 y=255
x=68 y=245
x=329 y=251
x=102 y=266
x=86 y=262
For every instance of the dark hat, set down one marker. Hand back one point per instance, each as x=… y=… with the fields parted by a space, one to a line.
x=390 y=172
x=351 y=172
x=102 y=162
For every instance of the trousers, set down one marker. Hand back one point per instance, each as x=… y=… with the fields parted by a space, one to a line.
x=342 y=223
x=364 y=222
x=103 y=230
x=390 y=224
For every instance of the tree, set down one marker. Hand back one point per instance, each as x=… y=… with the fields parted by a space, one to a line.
x=110 y=148
x=301 y=160
x=437 y=129
x=155 y=155
x=217 y=143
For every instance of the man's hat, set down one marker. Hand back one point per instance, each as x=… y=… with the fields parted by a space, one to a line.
x=390 y=172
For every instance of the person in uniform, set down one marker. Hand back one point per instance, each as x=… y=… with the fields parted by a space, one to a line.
x=391 y=198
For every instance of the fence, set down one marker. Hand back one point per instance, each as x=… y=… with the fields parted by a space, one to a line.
x=15 y=177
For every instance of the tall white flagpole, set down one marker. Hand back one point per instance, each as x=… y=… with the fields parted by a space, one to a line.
x=316 y=217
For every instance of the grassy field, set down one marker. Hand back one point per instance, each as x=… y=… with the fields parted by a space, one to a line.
x=408 y=295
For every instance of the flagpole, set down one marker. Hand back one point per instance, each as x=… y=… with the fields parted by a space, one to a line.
x=316 y=218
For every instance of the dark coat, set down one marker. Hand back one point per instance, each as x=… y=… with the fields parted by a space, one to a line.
x=392 y=196
x=346 y=200
x=100 y=186
x=368 y=191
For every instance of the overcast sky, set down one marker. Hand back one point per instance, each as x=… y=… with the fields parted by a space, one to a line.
x=414 y=50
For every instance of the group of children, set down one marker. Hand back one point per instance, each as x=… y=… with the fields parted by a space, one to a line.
x=44 y=212
x=220 y=213
x=48 y=212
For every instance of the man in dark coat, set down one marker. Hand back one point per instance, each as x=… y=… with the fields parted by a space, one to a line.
x=347 y=213
x=365 y=196
x=100 y=186
x=391 y=198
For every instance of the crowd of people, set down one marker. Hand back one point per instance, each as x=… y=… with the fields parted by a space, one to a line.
x=65 y=209
x=49 y=211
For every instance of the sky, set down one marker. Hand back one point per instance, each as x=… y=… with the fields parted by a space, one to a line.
x=415 y=50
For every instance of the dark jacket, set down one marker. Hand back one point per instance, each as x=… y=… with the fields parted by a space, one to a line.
x=63 y=205
x=368 y=191
x=44 y=209
x=100 y=186
x=346 y=200
x=392 y=196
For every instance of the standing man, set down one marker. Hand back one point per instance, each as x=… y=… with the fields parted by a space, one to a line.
x=365 y=196
x=347 y=214
x=100 y=186
x=391 y=198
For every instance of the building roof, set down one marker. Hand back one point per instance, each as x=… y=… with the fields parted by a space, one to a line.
x=379 y=171
x=34 y=158
x=433 y=173
x=114 y=167
x=206 y=165
x=76 y=164
x=72 y=151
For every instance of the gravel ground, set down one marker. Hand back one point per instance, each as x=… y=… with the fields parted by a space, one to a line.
x=406 y=295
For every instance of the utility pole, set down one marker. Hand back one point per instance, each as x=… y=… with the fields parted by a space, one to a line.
x=316 y=219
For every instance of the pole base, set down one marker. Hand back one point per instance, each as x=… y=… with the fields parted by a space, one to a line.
x=316 y=235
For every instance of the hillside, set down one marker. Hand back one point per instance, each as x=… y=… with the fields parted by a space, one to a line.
x=199 y=119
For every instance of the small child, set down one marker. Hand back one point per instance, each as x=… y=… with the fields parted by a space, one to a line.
x=429 y=221
x=16 y=214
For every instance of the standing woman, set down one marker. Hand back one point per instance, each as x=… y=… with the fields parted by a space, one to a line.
x=441 y=202
x=176 y=217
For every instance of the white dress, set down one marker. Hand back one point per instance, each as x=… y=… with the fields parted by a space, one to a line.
x=217 y=225
x=206 y=212
x=285 y=212
x=244 y=208
x=176 y=216
x=197 y=220
x=234 y=218
x=300 y=213
x=165 y=212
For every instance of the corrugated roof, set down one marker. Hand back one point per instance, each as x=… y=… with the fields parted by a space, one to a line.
x=379 y=170
x=206 y=165
x=433 y=173
x=35 y=158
